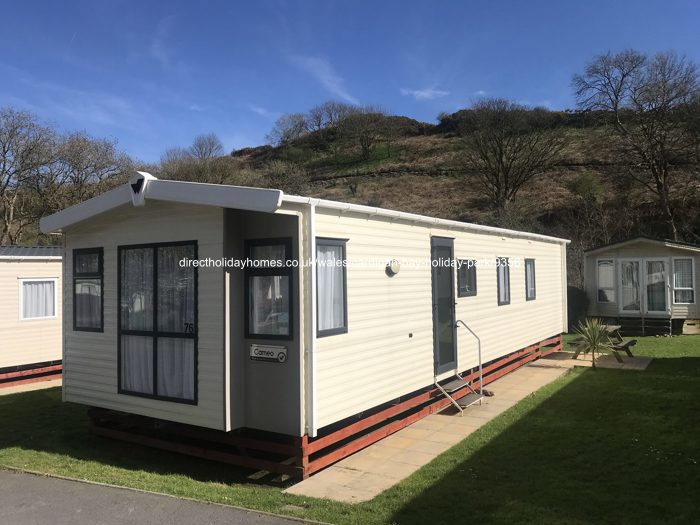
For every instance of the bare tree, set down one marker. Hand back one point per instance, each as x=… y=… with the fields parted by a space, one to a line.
x=287 y=128
x=504 y=148
x=366 y=126
x=206 y=146
x=26 y=149
x=649 y=99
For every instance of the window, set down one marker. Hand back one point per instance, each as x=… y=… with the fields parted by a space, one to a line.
x=683 y=281
x=268 y=293
x=503 y=276
x=158 y=321
x=37 y=299
x=530 y=287
x=466 y=278
x=331 y=287
x=88 y=280
x=606 y=281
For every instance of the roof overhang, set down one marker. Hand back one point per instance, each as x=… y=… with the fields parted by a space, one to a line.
x=645 y=240
x=143 y=187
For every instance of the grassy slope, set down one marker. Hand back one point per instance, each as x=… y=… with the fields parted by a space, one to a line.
x=592 y=447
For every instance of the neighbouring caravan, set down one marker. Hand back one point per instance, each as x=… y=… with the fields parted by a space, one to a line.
x=645 y=285
x=30 y=313
x=282 y=346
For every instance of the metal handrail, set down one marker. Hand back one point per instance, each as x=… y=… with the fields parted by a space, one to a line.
x=478 y=343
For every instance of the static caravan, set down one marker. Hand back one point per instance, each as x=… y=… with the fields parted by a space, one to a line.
x=30 y=313
x=646 y=285
x=299 y=321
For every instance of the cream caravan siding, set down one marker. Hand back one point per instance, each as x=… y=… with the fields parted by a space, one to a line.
x=90 y=375
x=388 y=350
x=638 y=250
x=31 y=341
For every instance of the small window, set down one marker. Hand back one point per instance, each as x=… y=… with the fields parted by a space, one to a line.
x=38 y=299
x=88 y=281
x=683 y=281
x=331 y=287
x=530 y=286
x=606 y=281
x=503 y=275
x=268 y=289
x=466 y=278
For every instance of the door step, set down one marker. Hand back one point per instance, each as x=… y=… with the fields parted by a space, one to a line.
x=454 y=385
x=469 y=400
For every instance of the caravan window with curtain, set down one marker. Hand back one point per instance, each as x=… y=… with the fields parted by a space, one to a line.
x=268 y=294
x=331 y=287
x=37 y=299
x=503 y=280
x=88 y=280
x=606 y=281
x=683 y=281
x=530 y=288
x=158 y=321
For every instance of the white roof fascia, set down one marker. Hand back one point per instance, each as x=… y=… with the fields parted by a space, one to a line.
x=641 y=240
x=420 y=219
x=30 y=257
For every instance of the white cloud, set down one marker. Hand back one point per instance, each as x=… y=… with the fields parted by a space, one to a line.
x=159 y=49
x=424 y=94
x=480 y=93
x=322 y=71
x=263 y=112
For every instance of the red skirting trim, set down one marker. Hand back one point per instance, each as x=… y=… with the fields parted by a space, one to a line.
x=302 y=456
x=31 y=375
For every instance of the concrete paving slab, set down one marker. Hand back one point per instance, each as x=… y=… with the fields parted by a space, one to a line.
x=29 y=387
x=378 y=467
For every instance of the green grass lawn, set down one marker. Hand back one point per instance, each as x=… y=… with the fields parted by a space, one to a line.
x=605 y=446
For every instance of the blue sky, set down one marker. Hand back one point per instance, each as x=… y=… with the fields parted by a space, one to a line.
x=152 y=75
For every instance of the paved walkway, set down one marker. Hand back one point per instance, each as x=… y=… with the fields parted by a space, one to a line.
x=376 y=468
x=27 y=499
x=564 y=360
x=28 y=387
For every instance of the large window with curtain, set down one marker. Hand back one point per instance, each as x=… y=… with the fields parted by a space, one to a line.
x=331 y=287
x=268 y=289
x=530 y=287
x=683 y=281
x=606 y=281
x=37 y=299
x=630 y=290
x=503 y=280
x=158 y=321
x=88 y=280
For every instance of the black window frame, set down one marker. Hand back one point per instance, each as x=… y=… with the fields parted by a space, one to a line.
x=100 y=274
x=286 y=270
x=155 y=333
x=507 y=279
x=343 y=243
x=534 y=281
x=467 y=265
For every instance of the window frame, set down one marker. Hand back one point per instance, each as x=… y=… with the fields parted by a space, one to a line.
x=249 y=272
x=21 y=282
x=507 y=280
x=692 y=269
x=464 y=264
x=534 y=281
x=612 y=260
x=90 y=275
x=155 y=334
x=331 y=241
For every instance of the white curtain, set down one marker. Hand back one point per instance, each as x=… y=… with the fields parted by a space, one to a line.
x=175 y=290
x=629 y=285
x=656 y=286
x=38 y=299
x=606 y=281
x=269 y=304
x=88 y=303
x=530 y=278
x=683 y=278
x=137 y=289
x=137 y=364
x=331 y=292
x=176 y=368
x=503 y=283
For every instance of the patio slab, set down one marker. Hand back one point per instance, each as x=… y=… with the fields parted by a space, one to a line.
x=28 y=387
x=564 y=360
x=367 y=473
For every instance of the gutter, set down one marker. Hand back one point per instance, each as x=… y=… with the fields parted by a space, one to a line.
x=312 y=428
x=417 y=219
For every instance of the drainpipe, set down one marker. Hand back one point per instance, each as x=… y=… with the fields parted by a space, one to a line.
x=311 y=345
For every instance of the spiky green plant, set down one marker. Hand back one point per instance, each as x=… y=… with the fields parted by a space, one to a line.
x=595 y=337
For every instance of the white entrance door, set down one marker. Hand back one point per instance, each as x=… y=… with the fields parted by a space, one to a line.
x=630 y=286
x=656 y=286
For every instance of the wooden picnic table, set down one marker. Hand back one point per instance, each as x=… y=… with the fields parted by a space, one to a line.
x=618 y=343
